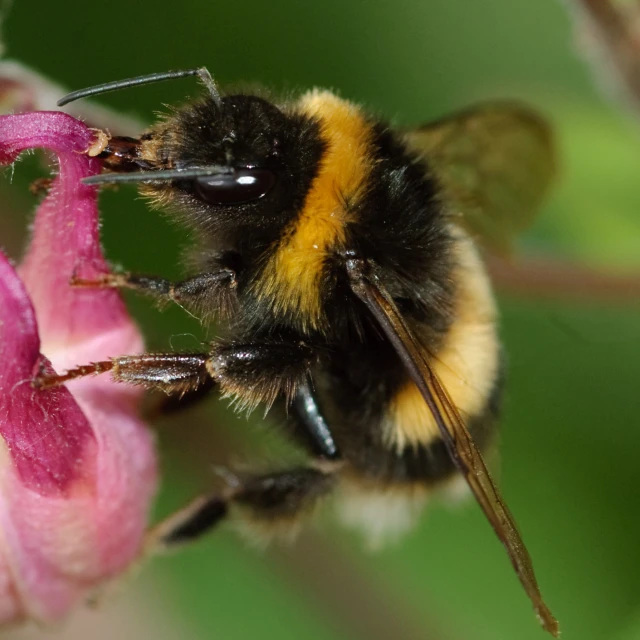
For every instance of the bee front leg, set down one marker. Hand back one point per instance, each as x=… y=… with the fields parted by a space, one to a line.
x=213 y=292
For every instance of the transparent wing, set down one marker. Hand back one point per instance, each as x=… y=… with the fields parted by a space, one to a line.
x=495 y=163
x=457 y=439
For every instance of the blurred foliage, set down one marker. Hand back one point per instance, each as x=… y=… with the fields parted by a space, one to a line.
x=570 y=440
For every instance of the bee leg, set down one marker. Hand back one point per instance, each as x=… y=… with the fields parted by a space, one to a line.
x=250 y=373
x=261 y=372
x=169 y=372
x=272 y=502
x=213 y=289
x=309 y=425
x=303 y=414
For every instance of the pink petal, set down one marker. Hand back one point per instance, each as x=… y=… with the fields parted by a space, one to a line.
x=48 y=448
x=65 y=236
x=77 y=472
x=46 y=436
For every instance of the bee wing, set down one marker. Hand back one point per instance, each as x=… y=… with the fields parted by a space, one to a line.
x=457 y=439
x=495 y=163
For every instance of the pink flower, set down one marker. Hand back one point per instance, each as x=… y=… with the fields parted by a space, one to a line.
x=77 y=465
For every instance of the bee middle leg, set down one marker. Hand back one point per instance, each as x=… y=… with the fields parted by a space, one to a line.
x=249 y=372
x=269 y=501
x=169 y=372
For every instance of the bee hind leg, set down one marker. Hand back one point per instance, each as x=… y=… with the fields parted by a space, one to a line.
x=270 y=503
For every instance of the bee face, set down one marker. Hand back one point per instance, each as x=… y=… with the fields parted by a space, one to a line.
x=267 y=160
x=239 y=131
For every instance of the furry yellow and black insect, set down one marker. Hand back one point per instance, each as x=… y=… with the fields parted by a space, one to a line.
x=342 y=257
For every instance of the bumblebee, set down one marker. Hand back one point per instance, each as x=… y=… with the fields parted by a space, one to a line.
x=343 y=258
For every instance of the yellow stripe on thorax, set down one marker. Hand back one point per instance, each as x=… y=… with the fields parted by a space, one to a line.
x=467 y=363
x=292 y=278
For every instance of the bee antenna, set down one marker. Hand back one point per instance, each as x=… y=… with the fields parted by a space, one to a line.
x=202 y=73
x=157 y=176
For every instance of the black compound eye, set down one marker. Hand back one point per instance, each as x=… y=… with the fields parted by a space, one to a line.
x=243 y=185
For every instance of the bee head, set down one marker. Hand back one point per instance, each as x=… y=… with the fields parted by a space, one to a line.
x=240 y=162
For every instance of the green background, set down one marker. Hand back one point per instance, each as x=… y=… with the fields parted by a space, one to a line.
x=570 y=439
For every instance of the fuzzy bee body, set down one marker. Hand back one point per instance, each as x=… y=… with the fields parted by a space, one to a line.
x=352 y=182
x=340 y=255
